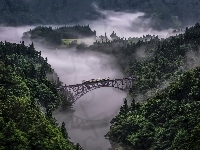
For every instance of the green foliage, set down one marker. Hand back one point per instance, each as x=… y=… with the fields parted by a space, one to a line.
x=23 y=85
x=170 y=118
x=64 y=131
x=56 y=36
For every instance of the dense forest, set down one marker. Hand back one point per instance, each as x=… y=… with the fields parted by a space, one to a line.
x=25 y=93
x=163 y=13
x=52 y=36
x=169 y=118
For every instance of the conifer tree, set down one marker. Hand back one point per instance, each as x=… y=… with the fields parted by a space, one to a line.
x=64 y=131
x=132 y=108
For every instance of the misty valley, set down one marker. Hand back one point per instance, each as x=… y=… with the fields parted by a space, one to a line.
x=99 y=75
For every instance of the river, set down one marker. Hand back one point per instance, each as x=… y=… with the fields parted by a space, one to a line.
x=99 y=105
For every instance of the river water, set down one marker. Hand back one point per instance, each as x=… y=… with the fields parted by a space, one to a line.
x=99 y=106
x=93 y=106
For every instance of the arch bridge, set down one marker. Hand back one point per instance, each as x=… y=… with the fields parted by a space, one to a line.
x=74 y=92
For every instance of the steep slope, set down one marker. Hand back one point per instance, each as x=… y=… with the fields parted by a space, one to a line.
x=169 y=119
x=23 y=86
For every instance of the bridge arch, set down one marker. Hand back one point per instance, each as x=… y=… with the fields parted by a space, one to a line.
x=79 y=90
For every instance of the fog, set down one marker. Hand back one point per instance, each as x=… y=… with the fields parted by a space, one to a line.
x=73 y=67
x=125 y=24
x=192 y=60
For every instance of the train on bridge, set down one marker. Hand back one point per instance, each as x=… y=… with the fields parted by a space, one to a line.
x=100 y=80
x=78 y=90
x=95 y=80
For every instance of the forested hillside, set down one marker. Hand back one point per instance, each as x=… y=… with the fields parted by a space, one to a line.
x=52 y=36
x=24 y=90
x=163 y=13
x=17 y=12
x=169 y=118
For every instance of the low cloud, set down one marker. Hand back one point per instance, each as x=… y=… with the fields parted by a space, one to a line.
x=192 y=60
x=125 y=24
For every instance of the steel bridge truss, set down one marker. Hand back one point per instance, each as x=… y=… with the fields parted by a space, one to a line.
x=74 y=92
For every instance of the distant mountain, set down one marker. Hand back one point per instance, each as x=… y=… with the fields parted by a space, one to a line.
x=17 y=12
x=163 y=13
x=26 y=12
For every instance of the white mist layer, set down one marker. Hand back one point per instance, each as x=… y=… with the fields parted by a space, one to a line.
x=13 y=34
x=124 y=24
x=72 y=68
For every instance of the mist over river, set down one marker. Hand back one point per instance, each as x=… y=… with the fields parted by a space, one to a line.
x=101 y=103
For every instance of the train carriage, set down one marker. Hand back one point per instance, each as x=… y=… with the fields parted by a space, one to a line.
x=95 y=80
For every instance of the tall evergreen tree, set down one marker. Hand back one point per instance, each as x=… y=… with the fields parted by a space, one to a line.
x=64 y=131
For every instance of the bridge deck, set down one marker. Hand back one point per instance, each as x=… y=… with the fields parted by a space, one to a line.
x=74 y=92
x=95 y=82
